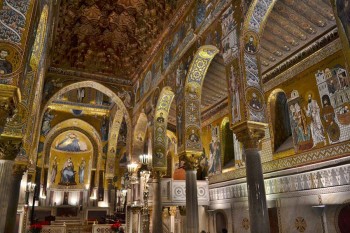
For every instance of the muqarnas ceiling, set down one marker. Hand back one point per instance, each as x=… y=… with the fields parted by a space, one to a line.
x=108 y=36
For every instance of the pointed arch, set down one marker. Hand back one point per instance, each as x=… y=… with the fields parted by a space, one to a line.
x=114 y=97
x=253 y=27
x=113 y=134
x=171 y=153
x=160 y=139
x=278 y=114
x=139 y=135
x=227 y=143
x=34 y=78
x=192 y=102
x=76 y=124
x=38 y=47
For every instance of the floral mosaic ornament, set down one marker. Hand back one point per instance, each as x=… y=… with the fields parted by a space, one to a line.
x=193 y=91
x=160 y=127
x=300 y=224
x=245 y=223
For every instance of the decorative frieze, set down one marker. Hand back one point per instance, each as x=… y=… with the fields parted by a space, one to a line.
x=319 y=179
x=317 y=155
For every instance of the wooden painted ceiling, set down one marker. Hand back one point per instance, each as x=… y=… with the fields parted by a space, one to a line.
x=109 y=37
x=291 y=25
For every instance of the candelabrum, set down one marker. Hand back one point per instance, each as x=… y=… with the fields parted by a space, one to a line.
x=145 y=174
x=132 y=169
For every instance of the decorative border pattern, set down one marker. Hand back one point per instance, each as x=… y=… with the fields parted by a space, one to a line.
x=160 y=143
x=80 y=74
x=318 y=155
x=313 y=180
x=193 y=94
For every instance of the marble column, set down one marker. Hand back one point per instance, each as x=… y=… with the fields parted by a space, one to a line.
x=129 y=220
x=6 y=167
x=145 y=212
x=191 y=200
x=136 y=220
x=258 y=212
x=250 y=134
x=172 y=212
x=8 y=151
x=157 y=223
x=18 y=170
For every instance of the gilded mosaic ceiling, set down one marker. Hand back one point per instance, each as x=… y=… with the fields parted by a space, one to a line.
x=108 y=36
x=292 y=25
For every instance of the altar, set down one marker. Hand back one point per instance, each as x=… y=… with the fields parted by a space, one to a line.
x=67 y=211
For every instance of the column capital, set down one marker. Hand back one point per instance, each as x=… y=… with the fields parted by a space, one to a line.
x=19 y=169
x=249 y=133
x=9 y=149
x=136 y=209
x=165 y=212
x=172 y=210
x=157 y=175
x=191 y=159
x=21 y=164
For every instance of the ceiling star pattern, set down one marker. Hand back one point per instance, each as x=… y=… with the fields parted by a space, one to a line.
x=291 y=25
x=108 y=36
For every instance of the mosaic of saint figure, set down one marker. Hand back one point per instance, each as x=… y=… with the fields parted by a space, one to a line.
x=331 y=125
x=250 y=47
x=214 y=157
x=68 y=173
x=193 y=137
x=214 y=152
x=313 y=111
x=104 y=129
x=160 y=119
x=54 y=170
x=5 y=65
x=298 y=124
x=82 y=170
x=46 y=127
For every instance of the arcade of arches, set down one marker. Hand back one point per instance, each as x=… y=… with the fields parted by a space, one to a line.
x=175 y=116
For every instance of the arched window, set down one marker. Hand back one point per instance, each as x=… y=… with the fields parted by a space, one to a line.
x=282 y=132
x=227 y=143
x=343 y=219
x=220 y=222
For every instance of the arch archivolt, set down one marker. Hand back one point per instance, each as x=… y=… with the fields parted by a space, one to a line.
x=253 y=27
x=114 y=97
x=78 y=125
x=139 y=137
x=113 y=142
x=34 y=78
x=257 y=14
x=192 y=101
x=160 y=139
